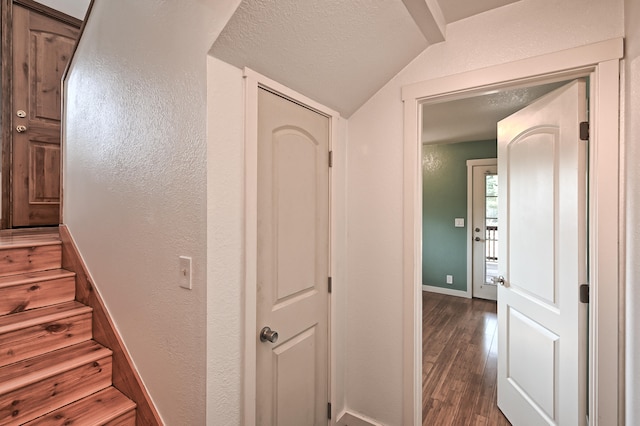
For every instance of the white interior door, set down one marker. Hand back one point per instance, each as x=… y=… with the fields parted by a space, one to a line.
x=485 y=230
x=541 y=323
x=292 y=258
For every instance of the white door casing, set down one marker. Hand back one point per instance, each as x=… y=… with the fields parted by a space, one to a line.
x=292 y=262
x=601 y=62
x=542 y=340
x=478 y=170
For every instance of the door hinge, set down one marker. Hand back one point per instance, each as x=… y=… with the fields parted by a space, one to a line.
x=329 y=284
x=330 y=158
x=329 y=411
x=584 y=293
x=584 y=131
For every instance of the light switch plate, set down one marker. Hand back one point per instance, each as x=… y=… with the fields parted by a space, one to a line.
x=185 y=272
x=459 y=222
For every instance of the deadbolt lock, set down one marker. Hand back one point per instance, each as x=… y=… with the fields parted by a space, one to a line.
x=20 y=113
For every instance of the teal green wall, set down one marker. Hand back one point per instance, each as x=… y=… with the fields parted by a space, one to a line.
x=444 y=195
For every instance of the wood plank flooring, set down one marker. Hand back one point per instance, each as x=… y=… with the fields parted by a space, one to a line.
x=460 y=360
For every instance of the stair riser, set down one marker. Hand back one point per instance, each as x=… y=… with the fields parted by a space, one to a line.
x=31 y=341
x=127 y=419
x=49 y=394
x=30 y=259
x=33 y=295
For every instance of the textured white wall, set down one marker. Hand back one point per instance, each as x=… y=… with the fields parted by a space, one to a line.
x=631 y=161
x=135 y=170
x=374 y=177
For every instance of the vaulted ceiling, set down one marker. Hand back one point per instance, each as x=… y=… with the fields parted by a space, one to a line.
x=338 y=52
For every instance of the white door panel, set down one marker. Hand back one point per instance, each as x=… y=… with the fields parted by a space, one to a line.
x=292 y=258
x=295 y=381
x=542 y=255
x=531 y=158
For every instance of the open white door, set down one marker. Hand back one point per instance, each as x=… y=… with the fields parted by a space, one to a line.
x=542 y=347
x=292 y=264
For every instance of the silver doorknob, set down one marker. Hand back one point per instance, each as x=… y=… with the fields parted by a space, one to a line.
x=498 y=280
x=21 y=129
x=478 y=239
x=266 y=334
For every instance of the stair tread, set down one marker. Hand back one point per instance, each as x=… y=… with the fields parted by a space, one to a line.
x=32 y=317
x=28 y=277
x=25 y=372
x=15 y=238
x=93 y=410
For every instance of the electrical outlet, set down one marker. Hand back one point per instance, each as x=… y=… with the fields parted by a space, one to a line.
x=449 y=279
x=185 y=272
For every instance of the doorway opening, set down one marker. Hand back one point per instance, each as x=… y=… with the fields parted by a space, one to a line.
x=465 y=173
x=483 y=230
x=253 y=331
x=599 y=62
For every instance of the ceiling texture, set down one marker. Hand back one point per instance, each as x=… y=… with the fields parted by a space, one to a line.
x=338 y=52
x=474 y=119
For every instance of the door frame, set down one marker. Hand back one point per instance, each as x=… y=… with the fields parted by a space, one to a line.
x=470 y=165
x=601 y=62
x=6 y=104
x=253 y=81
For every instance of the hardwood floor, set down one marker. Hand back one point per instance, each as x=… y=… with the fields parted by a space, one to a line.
x=459 y=364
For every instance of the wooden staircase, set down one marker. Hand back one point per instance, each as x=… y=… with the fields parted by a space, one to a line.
x=51 y=371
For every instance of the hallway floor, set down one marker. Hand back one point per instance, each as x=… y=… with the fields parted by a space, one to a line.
x=460 y=361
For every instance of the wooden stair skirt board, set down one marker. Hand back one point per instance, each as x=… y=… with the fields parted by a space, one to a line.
x=61 y=362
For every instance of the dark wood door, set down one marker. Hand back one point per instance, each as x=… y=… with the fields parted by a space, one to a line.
x=42 y=47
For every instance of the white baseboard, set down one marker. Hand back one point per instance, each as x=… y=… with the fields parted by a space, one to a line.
x=355 y=419
x=447 y=291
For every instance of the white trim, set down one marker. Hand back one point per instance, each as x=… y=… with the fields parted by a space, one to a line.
x=251 y=248
x=412 y=266
x=556 y=66
x=350 y=418
x=601 y=62
x=447 y=291
x=470 y=165
x=607 y=255
x=253 y=81
x=291 y=94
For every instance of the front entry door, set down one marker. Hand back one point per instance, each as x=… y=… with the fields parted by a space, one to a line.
x=42 y=47
x=542 y=336
x=293 y=251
